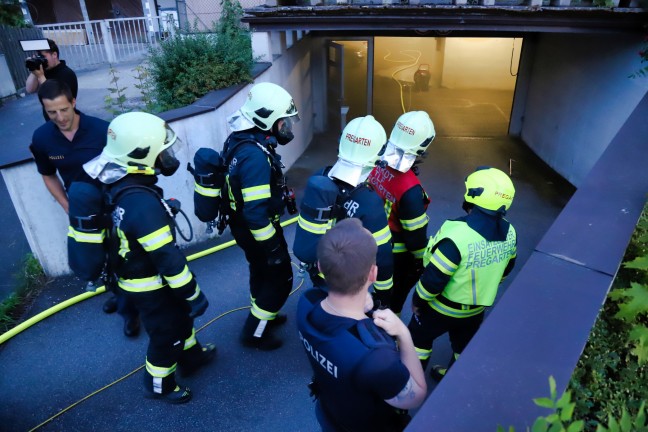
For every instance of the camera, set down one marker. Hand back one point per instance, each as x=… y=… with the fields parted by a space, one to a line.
x=34 y=63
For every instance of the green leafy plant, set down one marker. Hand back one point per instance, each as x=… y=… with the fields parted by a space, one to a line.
x=146 y=88
x=115 y=101
x=11 y=14
x=603 y=3
x=643 y=55
x=187 y=66
x=560 y=420
x=30 y=280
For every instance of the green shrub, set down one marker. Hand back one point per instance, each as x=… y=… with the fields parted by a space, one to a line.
x=187 y=66
x=30 y=280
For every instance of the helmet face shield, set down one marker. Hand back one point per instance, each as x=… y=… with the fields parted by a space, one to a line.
x=167 y=162
x=284 y=129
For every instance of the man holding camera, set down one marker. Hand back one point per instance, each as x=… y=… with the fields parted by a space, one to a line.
x=46 y=65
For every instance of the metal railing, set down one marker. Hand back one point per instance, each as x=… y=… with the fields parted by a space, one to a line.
x=87 y=43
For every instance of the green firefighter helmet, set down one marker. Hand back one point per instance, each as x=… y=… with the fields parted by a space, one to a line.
x=490 y=189
x=266 y=103
x=137 y=138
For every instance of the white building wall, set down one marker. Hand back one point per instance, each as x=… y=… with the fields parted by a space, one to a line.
x=483 y=63
x=45 y=223
x=579 y=96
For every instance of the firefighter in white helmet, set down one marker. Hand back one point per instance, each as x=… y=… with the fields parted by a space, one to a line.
x=395 y=179
x=257 y=194
x=341 y=191
x=150 y=269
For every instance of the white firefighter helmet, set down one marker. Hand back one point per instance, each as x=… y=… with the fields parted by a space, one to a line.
x=411 y=136
x=360 y=144
x=265 y=104
x=134 y=142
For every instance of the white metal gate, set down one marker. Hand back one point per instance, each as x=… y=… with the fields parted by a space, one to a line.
x=87 y=43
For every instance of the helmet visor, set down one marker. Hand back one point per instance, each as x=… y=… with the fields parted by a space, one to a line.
x=397 y=158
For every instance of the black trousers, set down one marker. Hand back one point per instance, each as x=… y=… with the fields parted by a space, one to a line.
x=269 y=285
x=406 y=274
x=168 y=325
x=428 y=324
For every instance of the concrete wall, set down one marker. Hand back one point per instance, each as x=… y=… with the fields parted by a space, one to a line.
x=484 y=63
x=579 y=96
x=45 y=223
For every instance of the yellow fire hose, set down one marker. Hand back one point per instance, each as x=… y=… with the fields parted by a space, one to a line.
x=86 y=295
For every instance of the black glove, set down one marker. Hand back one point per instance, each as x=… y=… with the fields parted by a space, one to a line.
x=277 y=255
x=381 y=299
x=417 y=301
x=418 y=267
x=198 y=305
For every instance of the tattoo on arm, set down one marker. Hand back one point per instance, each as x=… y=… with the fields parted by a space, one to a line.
x=408 y=391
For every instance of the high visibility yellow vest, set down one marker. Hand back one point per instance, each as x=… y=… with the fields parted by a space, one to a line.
x=482 y=263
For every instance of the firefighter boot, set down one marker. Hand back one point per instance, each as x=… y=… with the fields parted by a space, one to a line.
x=257 y=334
x=165 y=389
x=280 y=319
x=195 y=358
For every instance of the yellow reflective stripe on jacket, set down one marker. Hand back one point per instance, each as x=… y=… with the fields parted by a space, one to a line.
x=399 y=248
x=85 y=237
x=452 y=312
x=140 y=285
x=195 y=295
x=388 y=207
x=315 y=228
x=205 y=191
x=383 y=236
x=384 y=285
x=444 y=265
x=156 y=239
x=264 y=233
x=423 y=293
x=124 y=247
x=416 y=223
x=423 y=354
x=181 y=279
x=419 y=253
x=262 y=314
x=191 y=340
x=256 y=193
x=160 y=372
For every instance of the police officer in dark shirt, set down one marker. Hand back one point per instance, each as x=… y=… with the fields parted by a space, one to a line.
x=360 y=373
x=55 y=69
x=63 y=145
